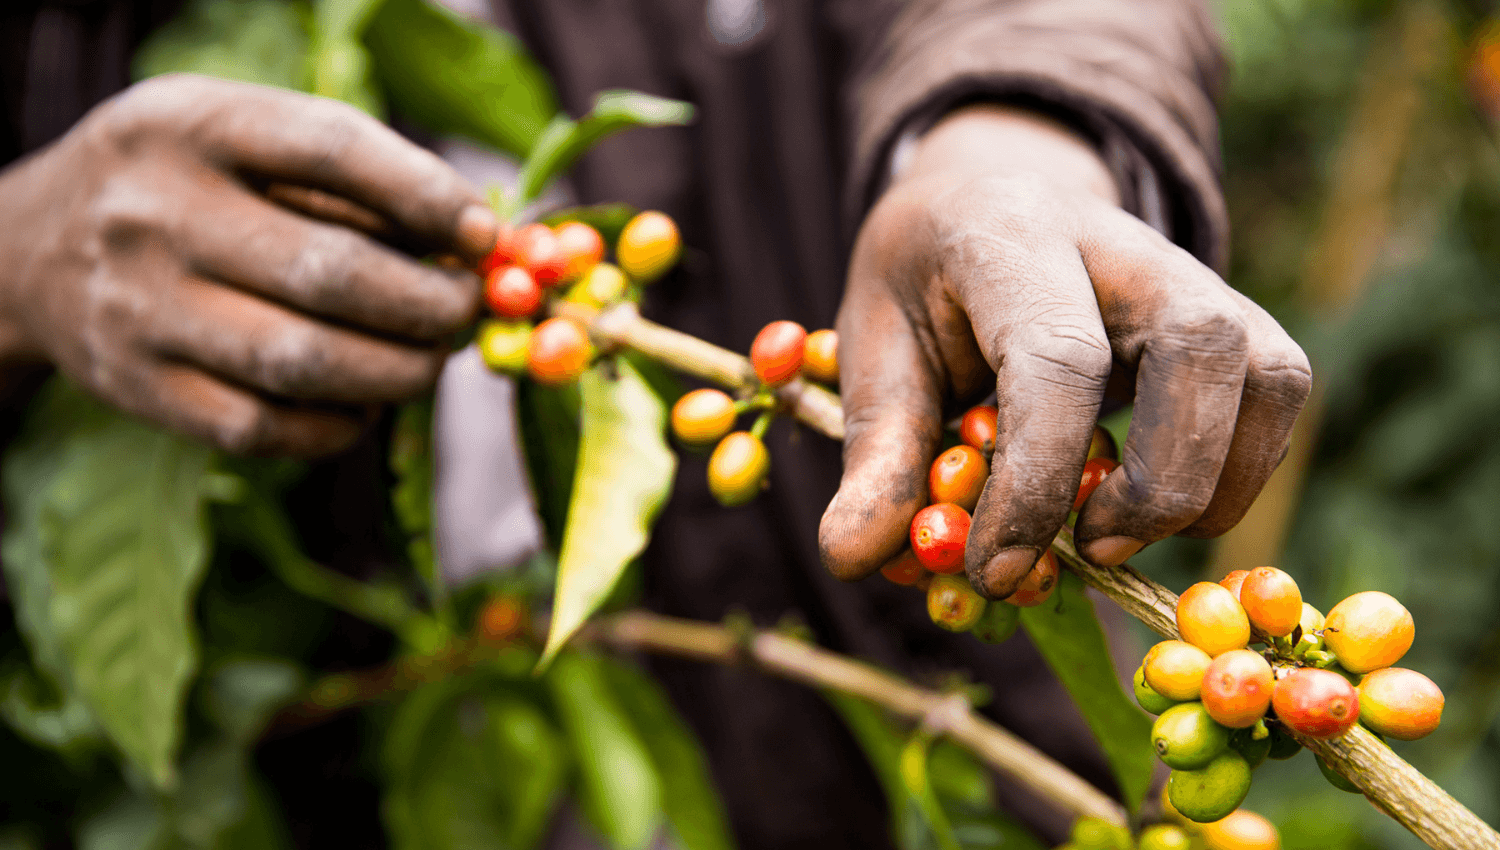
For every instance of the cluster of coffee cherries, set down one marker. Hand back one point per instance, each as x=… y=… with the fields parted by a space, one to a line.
x=537 y=263
x=940 y=530
x=1223 y=708
x=740 y=463
x=1242 y=830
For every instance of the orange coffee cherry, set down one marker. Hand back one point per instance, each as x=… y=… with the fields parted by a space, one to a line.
x=777 y=352
x=1237 y=688
x=905 y=570
x=1234 y=581
x=1316 y=703
x=559 y=351
x=1272 y=601
x=820 y=356
x=1242 y=830
x=977 y=428
x=1209 y=617
x=1039 y=584
x=649 y=246
x=1094 y=472
x=1400 y=703
x=702 y=417
x=502 y=618
x=958 y=476
x=1368 y=631
x=738 y=468
x=1175 y=669
x=582 y=248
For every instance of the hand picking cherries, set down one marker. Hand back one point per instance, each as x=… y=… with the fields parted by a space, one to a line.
x=1223 y=708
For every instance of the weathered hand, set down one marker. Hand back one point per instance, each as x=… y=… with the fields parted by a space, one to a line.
x=1000 y=255
x=142 y=257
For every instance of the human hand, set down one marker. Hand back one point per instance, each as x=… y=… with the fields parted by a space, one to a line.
x=1000 y=259
x=143 y=258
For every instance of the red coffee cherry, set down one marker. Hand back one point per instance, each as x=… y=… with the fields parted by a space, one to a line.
x=1368 y=631
x=582 y=248
x=1094 y=472
x=1209 y=617
x=503 y=254
x=703 y=417
x=1316 y=703
x=1237 y=688
x=1272 y=601
x=1039 y=584
x=820 y=356
x=777 y=351
x=538 y=249
x=1400 y=703
x=559 y=351
x=958 y=476
x=938 y=533
x=905 y=570
x=512 y=293
x=1175 y=669
x=1234 y=581
x=738 y=468
x=978 y=427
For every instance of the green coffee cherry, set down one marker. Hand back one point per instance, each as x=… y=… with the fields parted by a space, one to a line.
x=1095 y=834
x=1165 y=836
x=1336 y=779
x=1283 y=745
x=1255 y=750
x=1151 y=701
x=503 y=345
x=1211 y=792
x=1186 y=738
x=998 y=623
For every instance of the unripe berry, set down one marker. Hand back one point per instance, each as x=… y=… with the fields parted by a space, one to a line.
x=539 y=251
x=602 y=284
x=582 y=247
x=1400 y=703
x=1094 y=473
x=1272 y=601
x=649 y=246
x=905 y=570
x=1283 y=745
x=512 y=293
x=1316 y=703
x=938 y=534
x=1368 y=631
x=1151 y=701
x=559 y=351
x=953 y=604
x=820 y=356
x=703 y=417
x=1241 y=830
x=978 y=426
x=1234 y=581
x=1211 y=792
x=503 y=345
x=1095 y=834
x=776 y=353
x=1237 y=688
x=1311 y=620
x=999 y=623
x=1175 y=669
x=958 y=476
x=1039 y=584
x=1102 y=444
x=502 y=618
x=1209 y=617
x=1186 y=738
x=737 y=469
x=1164 y=836
x=1255 y=750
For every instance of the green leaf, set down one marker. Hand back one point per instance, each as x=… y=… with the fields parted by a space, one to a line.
x=411 y=495
x=914 y=777
x=625 y=470
x=340 y=65
x=549 y=420
x=1066 y=632
x=693 y=808
x=564 y=140
x=61 y=722
x=240 y=695
x=256 y=41
x=454 y=76
x=620 y=788
x=111 y=529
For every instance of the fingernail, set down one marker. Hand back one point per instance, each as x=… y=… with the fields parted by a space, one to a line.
x=1007 y=569
x=477 y=227
x=1112 y=551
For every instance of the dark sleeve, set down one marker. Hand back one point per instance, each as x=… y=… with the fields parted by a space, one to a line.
x=1138 y=77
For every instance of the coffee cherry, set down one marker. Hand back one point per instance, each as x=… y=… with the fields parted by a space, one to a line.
x=1241 y=830
x=1272 y=601
x=1185 y=737
x=1039 y=583
x=1283 y=745
x=502 y=618
x=1211 y=792
x=1095 y=834
x=1336 y=779
x=539 y=251
x=1400 y=703
x=649 y=246
x=503 y=345
x=777 y=351
x=512 y=293
x=1102 y=444
x=978 y=426
x=1368 y=631
x=1209 y=617
x=1316 y=703
x=1164 y=836
x=1237 y=688
x=703 y=417
x=938 y=533
x=1234 y=581
x=905 y=570
x=1255 y=750
x=582 y=247
x=998 y=624
x=1175 y=669
x=559 y=351
x=737 y=469
x=958 y=476
x=602 y=284
x=1094 y=473
x=1311 y=619
x=820 y=356
x=503 y=254
x=1151 y=701
x=953 y=604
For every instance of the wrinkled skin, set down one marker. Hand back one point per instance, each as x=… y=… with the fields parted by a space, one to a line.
x=1000 y=259
x=199 y=253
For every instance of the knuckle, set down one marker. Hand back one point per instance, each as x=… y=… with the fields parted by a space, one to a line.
x=1069 y=355
x=1286 y=373
x=291 y=360
x=321 y=269
x=1207 y=337
x=126 y=214
x=1168 y=500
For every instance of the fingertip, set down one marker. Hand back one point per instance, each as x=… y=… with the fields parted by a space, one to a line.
x=998 y=576
x=477 y=230
x=858 y=534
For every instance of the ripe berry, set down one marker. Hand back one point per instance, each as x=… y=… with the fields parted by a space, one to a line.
x=503 y=254
x=1234 y=581
x=601 y=284
x=1368 y=631
x=953 y=604
x=1186 y=738
x=502 y=618
x=559 y=351
x=998 y=624
x=1102 y=444
x=1039 y=583
x=1209 y=617
x=820 y=357
x=938 y=533
x=1272 y=601
x=777 y=351
x=1164 y=836
x=905 y=570
x=539 y=251
x=503 y=345
x=703 y=417
x=737 y=469
x=1316 y=703
x=958 y=476
x=978 y=427
x=648 y=246
x=1211 y=792
x=1175 y=669
x=1151 y=701
x=512 y=293
x=1237 y=688
x=582 y=247
x=1241 y=830
x=1400 y=703
x=1094 y=473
